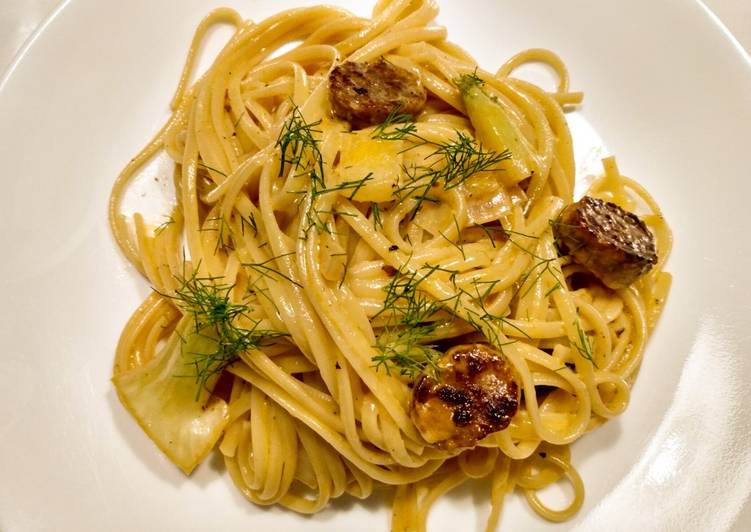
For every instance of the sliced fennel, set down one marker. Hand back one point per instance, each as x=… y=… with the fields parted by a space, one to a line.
x=494 y=129
x=161 y=395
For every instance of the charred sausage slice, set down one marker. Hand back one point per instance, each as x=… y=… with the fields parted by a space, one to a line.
x=612 y=243
x=364 y=94
x=473 y=394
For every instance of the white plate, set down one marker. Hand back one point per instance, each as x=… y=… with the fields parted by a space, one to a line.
x=665 y=86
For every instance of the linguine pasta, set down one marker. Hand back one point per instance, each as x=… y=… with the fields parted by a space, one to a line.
x=308 y=274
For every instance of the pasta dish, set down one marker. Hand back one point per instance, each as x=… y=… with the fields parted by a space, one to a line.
x=375 y=274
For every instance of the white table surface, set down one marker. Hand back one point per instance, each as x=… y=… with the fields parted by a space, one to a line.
x=19 y=19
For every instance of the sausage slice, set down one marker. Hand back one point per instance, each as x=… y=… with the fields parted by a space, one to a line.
x=473 y=394
x=364 y=94
x=613 y=244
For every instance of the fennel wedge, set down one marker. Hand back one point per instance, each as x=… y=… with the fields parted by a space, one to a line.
x=161 y=395
x=495 y=129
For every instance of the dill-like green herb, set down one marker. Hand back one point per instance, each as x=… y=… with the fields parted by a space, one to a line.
x=541 y=266
x=224 y=234
x=480 y=296
x=334 y=212
x=162 y=226
x=353 y=185
x=403 y=352
x=401 y=344
x=488 y=233
x=216 y=317
x=201 y=164
x=451 y=163
x=250 y=221
x=402 y=123
x=344 y=273
x=483 y=320
x=457 y=245
x=510 y=233
x=507 y=233
x=403 y=299
x=375 y=212
x=556 y=286
x=346 y=266
x=468 y=81
x=584 y=345
x=437 y=268
x=544 y=265
x=264 y=270
x=298 y=147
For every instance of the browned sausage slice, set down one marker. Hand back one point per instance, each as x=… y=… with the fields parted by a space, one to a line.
x=612 y=243
x=364 y=94
x=473 y=394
